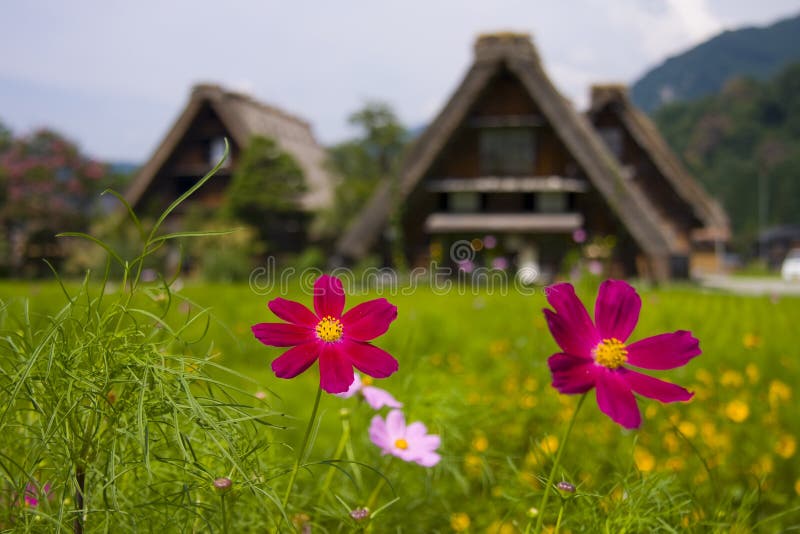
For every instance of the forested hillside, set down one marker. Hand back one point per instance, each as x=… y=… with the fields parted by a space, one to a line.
x=743 y=144
x=703 y=70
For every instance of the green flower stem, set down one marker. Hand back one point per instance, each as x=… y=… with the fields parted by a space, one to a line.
x=561 y=447
x=302 y=450
x=343 y=440
x=224 y=514
x=373 y=497
x=558 y=521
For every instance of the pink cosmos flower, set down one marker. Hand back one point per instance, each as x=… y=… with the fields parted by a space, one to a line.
x=339 y=341
x=33 y=494
x=594 y=354
x=375 y=397
x=410 y=443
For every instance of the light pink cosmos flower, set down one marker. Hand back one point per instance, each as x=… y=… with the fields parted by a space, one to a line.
x=594 y=354
x=375 y=397
x=339 y=341
x=410 y=443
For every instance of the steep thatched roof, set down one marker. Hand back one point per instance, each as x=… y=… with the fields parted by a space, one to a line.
x=244 y=117
x=646 y=135
x=516 y=54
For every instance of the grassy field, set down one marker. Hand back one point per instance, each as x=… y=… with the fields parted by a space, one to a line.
x=473 y=368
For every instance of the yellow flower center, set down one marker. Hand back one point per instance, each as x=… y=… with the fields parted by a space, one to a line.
x=610 y=353
x=401 y=444
x=329 y=329
x=366 y=380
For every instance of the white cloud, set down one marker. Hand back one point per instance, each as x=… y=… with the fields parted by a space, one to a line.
x=667 y=27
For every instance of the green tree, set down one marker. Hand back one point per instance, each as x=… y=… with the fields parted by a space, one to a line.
x=266 y=189
x=743 y=144
x=46 y=186
x=363 y=162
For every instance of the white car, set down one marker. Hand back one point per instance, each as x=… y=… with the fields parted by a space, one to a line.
x=790 y=270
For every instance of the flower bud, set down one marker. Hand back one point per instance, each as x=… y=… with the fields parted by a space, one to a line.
x=566 y=487
x=359 y=514
x=222 y=484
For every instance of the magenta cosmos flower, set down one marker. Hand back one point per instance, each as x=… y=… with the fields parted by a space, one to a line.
x=339 y=341
x=594 y=355
x=33 y=494
x=376 y=397
x=410 y=443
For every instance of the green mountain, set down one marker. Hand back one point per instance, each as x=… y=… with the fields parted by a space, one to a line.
x=743 y=144
x=703 y=70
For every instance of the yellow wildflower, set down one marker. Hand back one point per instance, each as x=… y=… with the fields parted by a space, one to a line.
x=473 y=464
x=778 y=392
x=675 y=463
x=731 y=379
x=671 y=442
x=688 y=429
x=737 y=411
x=459 y=522
x=786 y=446
x=530 y=384
x=752 y=373
x=644 y=460
x=480 y=443
x=501 y=527
x=751 y=341
x=705 y=377
x=549 y=444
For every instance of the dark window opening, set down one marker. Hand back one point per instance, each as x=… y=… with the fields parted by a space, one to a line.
x=507 y=151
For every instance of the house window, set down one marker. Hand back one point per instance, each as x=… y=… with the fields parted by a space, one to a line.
x=507 y=151
x=464 y=202
x=552 y=202
x=216 y=149
x=612 y=137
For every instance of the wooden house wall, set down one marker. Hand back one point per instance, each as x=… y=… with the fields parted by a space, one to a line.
x=504 y=96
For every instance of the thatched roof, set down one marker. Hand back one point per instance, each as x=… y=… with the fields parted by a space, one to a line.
x=244 y=117
x=516 y=54
x=646 y=135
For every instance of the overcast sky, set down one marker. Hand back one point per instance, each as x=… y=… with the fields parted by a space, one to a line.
x=113 y=75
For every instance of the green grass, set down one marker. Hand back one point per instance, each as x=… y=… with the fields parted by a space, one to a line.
x=473 y=368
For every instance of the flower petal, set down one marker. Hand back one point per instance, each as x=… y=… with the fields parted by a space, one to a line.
x=335 y=369
x=377 y=398
x=378 y=433
x=354 y=388
x=368 y=359
x=429 y=459
x=395 y=425
x=616 y=311
x=416 y=430
x=295 y=360
x=328 y=297
x=654 y=388
x=571 y=374
x=293 y=312
x=369 y=319
x=282 y=334
x=428 y=442
x=616 y=400
x=570 y=324
x=664 y=351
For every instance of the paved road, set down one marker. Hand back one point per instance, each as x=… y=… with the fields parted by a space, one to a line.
x=751 y=286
